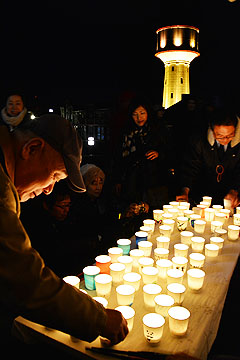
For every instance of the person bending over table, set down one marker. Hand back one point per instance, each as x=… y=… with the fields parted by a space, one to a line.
x=211 y=164
x=33 y=158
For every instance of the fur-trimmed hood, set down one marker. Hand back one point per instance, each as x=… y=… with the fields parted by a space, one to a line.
x=234 y=141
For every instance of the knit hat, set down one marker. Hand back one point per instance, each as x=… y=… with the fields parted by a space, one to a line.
x=90 y=172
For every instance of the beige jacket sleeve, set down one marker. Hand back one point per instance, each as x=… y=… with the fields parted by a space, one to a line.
x=32 y=290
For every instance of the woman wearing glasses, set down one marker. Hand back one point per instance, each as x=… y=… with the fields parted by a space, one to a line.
x=211 y=164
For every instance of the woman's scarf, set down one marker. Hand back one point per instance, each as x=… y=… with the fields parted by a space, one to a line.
x=138 y=135
x=13 y=121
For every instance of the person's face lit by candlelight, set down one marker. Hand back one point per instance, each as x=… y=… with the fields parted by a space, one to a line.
x=140 y=116
x=94 y=188
x=61 y=208
x=223 y=133
x=14 y=105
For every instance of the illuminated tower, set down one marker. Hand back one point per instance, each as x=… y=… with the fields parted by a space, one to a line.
x=177 y=46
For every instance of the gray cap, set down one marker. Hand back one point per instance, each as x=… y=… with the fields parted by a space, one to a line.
x=61 y=135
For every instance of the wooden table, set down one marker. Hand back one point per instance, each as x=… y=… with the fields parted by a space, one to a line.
x=205 y=306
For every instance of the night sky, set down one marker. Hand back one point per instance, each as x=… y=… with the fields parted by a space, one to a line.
x=92 y=51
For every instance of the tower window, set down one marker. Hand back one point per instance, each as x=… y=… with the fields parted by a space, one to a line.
x=172 y=68
x=181 y=80
x=171 y=95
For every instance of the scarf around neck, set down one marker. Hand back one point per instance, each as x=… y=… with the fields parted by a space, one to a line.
x=13 y=121
x=136 y=136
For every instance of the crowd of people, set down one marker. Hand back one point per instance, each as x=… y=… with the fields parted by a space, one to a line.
x=158 y=156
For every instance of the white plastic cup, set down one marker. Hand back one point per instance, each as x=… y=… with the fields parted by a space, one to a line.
x=128 y=313
x=209 y=214
x=199 y=226
x=163 y=266
x=216 y=225
x=72 y=280
x=181 y=250
x=127 y=261
x=195 y=279
x=114 y=253
x=157 y=215
x=163 y=241
x=174 y=276
x=178 y=320
x=163 y=303
x=169 y=222
x=196 y=260
x=150 y=291
x=186 y=237
x=101 y=300
x=133 y=279
x=149 y=274
x=90 y=272
x=177 y=292
x=207 y=199
x=153 y=327
x=180 y=263
x=150 y=223
x=233 y=232
x=165 y=230
x=160 y=253
x=220 y=216
x=211 y=250
x=125 y=294
x=236 y=219
x=148 y=230
x=103 y=284
x=217 y=240
x=145 y=261
x=146 y=247
x=198 y=243
x=135 y=255
x=117 y=270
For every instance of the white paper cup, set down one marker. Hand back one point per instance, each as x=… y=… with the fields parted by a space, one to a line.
x=103 y=284
x=236 y=219
x=198 y=243
x=199 y=226
x=163 y=241
x=174 y=204
x=186 y=237
x=135 y=255
x=211 y=250
x=180 y=263
x=177 y=292
x=133 y=279
x=217 y=208
x=148 y=230
x=220 y=216
x=145 y=261
x=169 y=222
x=114 y=253
x=149 y=275
x=216 y=225
x=174 y=213
x=178 y=320
x=127 y=261
x=194 y=217
x=195 y=279
x=165 y=230
x=150 y=223
x=226 y=212
x=150 y=291
x=181 y=250
x=237 y=210
x=153 y=327
x=163 y=266
x=207 y=199
x=72 y=280
x=182 y=222
x=209 y=214
x=217 y=240
x=163 y=303
x=221 y=233
x=146 y=247
x=233 y=232
x=196 y=260
x=117 y=270
x=157 y=215
x=187 y=213
x=128 y=313
x=166 y=207
x=160 y=253
x=125 y=294
x=174 y=276
x=181 y=209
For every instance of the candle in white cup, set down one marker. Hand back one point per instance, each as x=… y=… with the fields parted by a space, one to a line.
x=133 y=279
x=135 y=255
x=127 y=261
x=160 y=253
x=178 y=320
x=117 y=270
x=125 y=294
x=180 y=263
x=186 y=237
x=157 y=215
x=199 y=226
x=177 y=291
x=166 y=207
x=128 y=313
x=236 y=219
x=153 y=327
x=163 y=241
x=148 y=230
x=233 y=232
x=209 y=214
x=163 y=266
x=217 y=241
x=145 y=261
x=169 y=222
x=101 y=300
x=196 y=260
x=114 y=253
x=195 y=279
x=103 y=283
x=149 y=274
x=72 y=280
x=181 y=250
x=215 y=225
x=207 y=199
x=146 y=247
x=150 y=291
x=163 y=303
x=220 y=216
x=165 y=230
x=175 y=276
x=150 y=223
x=182 y=222
x=198 y=243
x=211 y=250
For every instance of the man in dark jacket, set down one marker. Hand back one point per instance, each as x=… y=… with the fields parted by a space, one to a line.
x=211 y=165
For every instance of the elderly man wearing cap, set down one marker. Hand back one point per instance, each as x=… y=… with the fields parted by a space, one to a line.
x=32 y=159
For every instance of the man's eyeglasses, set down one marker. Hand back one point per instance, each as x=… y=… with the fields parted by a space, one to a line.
x=224 y=137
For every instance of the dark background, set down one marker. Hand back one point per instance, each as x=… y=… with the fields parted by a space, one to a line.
x=93 y=51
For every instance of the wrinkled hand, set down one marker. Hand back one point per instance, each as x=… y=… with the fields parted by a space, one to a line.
x=152 y=154
x=116 y=328
x=233 y=197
